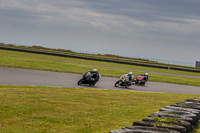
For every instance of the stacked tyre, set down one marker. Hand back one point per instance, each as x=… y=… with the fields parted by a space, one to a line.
x=180 y=117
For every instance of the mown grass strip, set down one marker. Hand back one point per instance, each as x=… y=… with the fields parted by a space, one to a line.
x=53 y=109
x=71 y=65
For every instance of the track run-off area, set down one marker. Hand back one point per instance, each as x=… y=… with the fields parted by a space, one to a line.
x=25 y=77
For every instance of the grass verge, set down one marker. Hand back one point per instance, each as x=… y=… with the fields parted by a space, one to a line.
x=71 y=65
x=99 y=56
x=52 y=109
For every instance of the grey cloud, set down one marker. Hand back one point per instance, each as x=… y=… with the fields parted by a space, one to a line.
x=149 y=10
x=88 y=24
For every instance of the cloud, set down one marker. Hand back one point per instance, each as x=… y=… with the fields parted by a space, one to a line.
x=69 y=14
x=114 y=22
x=105 y=17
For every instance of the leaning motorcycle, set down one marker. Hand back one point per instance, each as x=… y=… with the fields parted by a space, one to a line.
x=87 y=79
x=122 y=82
x=140 y=80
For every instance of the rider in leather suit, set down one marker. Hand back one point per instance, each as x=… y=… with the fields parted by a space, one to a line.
x=129 y=77
x=95 y=77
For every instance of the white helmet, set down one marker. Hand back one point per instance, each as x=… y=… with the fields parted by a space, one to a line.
x=130 y=73
x=94 y=70
x=146 y=74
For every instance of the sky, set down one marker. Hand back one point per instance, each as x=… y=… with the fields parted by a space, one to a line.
x=151 y=29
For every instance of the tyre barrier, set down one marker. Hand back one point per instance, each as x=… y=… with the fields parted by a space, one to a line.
x=193 y=100
x=174 y=117
x=191 y=105
x=180 y=117
x=179 y=113
x=197 y=98
x=190 y=111
x=164 y=125
x=194 y=111
x=143 y=129
x=185 y=124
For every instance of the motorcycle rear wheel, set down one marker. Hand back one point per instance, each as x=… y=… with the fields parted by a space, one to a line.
x=142 y=84
x=126 y=86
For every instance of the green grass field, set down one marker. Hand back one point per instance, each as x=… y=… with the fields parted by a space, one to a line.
x=49 y=109
x=26 y=109
x=71 y=65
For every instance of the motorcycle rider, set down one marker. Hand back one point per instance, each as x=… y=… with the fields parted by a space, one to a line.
x=146 y=77
x=129 y=77
x=95 y=77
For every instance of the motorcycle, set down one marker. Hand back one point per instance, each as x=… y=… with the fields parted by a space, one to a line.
x=140 y=79
x=122 y=82
x=87 y=79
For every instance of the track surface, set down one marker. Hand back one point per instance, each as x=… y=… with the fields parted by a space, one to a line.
x=13 y=76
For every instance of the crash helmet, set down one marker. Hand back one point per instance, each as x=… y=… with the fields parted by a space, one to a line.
x=146 y=74
x=94 y=70
x=130 y=73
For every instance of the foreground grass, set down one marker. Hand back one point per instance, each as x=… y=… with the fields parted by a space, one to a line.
x=71 y=65
x=51 y=109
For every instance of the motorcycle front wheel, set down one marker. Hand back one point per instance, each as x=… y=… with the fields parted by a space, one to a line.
x=80 y=82
x=117 y=84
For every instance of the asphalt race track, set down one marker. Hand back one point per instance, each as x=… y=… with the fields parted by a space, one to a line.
x=13 y=76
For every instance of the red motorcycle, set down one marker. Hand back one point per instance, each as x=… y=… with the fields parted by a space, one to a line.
x=141 y=79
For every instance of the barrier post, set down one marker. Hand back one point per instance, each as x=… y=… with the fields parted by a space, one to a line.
x=197 y=64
